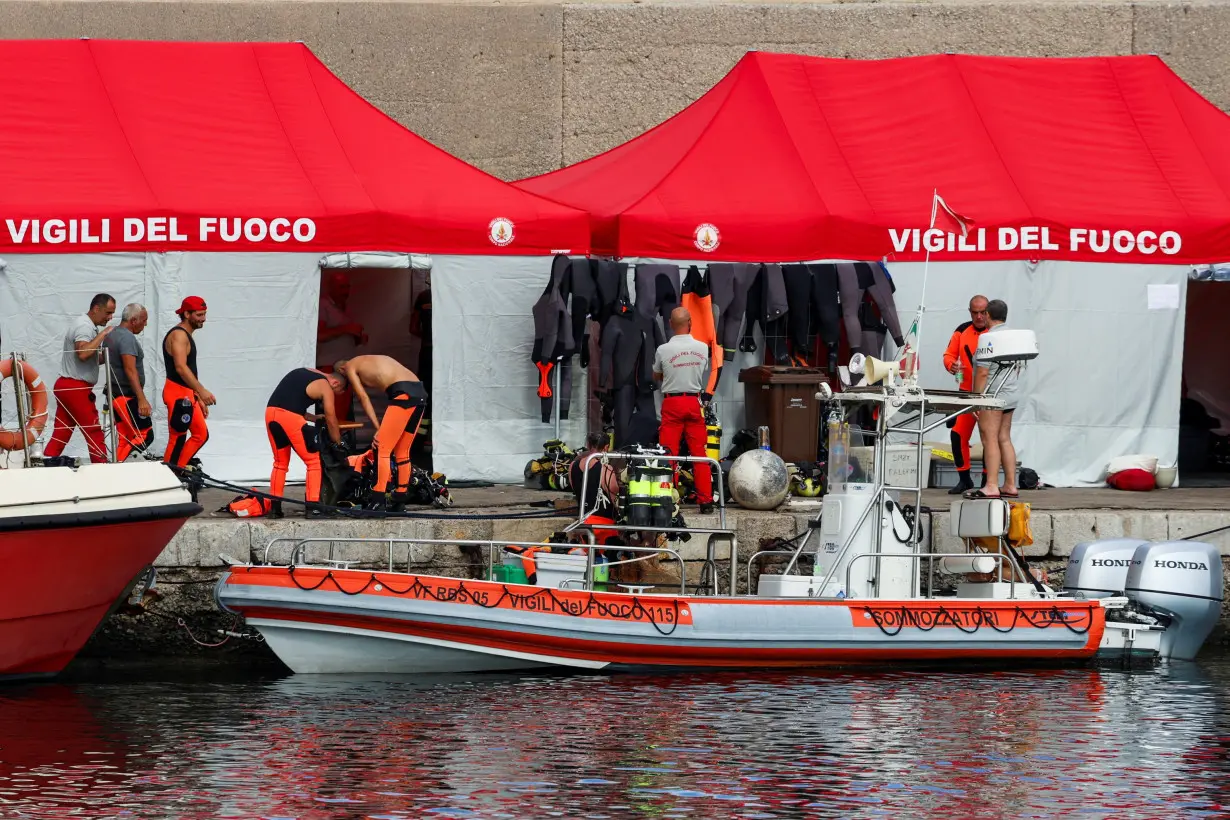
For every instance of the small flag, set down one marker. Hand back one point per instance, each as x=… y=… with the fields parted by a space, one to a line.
x=907 y=356
x=948 y=220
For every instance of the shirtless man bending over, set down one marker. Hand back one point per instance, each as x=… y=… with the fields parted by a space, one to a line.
x=396 y=431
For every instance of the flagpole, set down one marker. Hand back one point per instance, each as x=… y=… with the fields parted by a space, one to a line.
x=922 y=297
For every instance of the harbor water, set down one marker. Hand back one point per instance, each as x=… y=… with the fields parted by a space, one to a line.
x=988 y=743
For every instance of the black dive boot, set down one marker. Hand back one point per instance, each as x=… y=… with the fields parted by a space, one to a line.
x=379 y=502
x=398 y=501
x=964 y=483
x=275 y=509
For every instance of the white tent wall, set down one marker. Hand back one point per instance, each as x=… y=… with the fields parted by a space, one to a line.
x=487 y=423
x=1106 y=382
x=1107 y=378
x=486 y=420
x=262 y=323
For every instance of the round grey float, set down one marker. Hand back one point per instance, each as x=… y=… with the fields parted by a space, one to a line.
x=759 y=480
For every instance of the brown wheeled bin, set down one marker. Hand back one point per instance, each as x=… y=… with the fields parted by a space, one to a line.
x=784 y=400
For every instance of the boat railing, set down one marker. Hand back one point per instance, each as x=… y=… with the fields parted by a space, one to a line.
x=107 y=417
x=299 y=553
x=719 y=533
x=755 y=556
x=1000 y=559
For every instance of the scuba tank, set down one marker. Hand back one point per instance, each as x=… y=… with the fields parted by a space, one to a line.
x=662 y=490
x=640 y=496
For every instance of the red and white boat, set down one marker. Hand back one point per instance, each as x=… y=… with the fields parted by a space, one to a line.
x=862 y=603
x=73 y=542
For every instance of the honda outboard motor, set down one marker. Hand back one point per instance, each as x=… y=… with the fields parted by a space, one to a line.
x=1099 y=569
x=1181 y=580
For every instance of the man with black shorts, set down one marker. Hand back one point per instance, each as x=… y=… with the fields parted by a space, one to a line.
x=395 y=432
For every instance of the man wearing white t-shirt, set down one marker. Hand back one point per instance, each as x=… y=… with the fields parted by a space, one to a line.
x=995 y=426
x=74 y=390
x=682 y=365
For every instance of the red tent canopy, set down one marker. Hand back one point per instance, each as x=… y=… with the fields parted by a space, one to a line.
x=234 y=146
x=799 y=158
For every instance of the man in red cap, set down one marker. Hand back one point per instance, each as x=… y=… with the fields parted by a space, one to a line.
x=187 y=401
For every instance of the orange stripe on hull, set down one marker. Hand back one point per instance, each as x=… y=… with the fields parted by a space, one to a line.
x=647 y=654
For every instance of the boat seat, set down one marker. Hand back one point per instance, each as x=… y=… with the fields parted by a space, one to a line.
x=979 y=518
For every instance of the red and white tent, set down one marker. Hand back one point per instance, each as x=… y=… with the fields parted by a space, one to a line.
x=153 y=170
x=246 y=146
x=1106 y=159
x=1092 y=185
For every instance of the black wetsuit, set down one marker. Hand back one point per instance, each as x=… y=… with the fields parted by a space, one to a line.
x=611 y=286
x=291 y=392
x=730 y=283
x=553 y=341
x=580 y=290
x=168 y=362
x=767 y=305
x=657 y=292
x=629 y=340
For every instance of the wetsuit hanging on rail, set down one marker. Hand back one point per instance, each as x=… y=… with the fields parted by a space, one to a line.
x=657 y=292
x=553 y=341
x=729 y=283
x=629 y=340
x=698 y=300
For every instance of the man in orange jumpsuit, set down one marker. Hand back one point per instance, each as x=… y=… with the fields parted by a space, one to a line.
x=959 y=360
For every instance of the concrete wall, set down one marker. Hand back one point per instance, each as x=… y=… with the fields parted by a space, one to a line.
x=519 y=89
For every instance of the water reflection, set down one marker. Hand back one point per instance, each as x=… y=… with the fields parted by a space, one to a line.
x=978 y=744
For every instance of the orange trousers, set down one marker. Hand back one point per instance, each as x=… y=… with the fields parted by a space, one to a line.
x=186 y=420
x=290 y=431
x=133 y=432
x=395 y=438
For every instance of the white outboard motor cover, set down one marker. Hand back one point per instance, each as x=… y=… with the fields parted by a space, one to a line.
x=1099 y=569
x=1182 y=580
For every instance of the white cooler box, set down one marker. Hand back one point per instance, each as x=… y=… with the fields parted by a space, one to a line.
x=553 y=570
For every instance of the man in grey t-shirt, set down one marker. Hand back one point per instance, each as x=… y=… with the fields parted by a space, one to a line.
x=682 y=365
x=74 y=389
x=126 y=359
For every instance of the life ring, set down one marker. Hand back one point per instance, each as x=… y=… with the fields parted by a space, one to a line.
x=37 y=420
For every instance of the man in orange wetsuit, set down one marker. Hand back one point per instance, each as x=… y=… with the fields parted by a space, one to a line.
x=396 y=431
x=288 y=428
x=187 y=401
x=959 y=359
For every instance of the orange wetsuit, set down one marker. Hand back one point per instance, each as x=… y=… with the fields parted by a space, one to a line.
x=961 y=347
x=407 y=404
x=289 y=429
x=185 y=416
